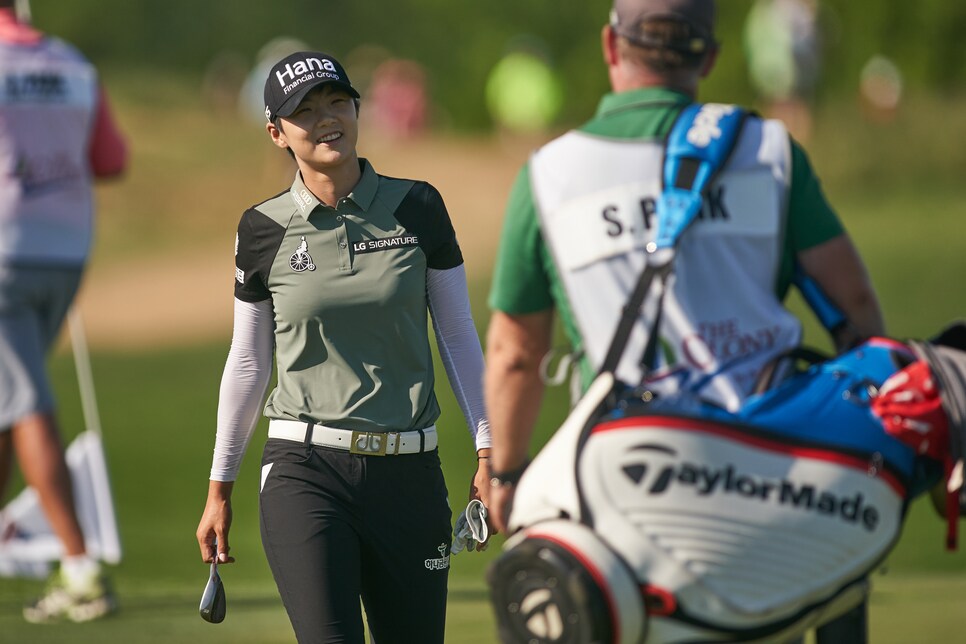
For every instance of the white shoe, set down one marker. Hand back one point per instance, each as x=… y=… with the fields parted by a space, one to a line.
x=94 y=601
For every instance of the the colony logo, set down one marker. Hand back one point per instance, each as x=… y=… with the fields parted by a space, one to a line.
x=727 y=341
x=658 y=470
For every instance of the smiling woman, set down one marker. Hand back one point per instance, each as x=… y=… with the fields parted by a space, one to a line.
x=322 y=132
x=313 y=94
x=336 y=276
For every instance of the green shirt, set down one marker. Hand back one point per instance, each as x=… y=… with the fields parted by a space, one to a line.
x=348 y=288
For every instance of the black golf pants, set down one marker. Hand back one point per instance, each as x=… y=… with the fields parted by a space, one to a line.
x=337 y=527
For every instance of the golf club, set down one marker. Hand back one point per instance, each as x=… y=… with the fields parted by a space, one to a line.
x=213 y=605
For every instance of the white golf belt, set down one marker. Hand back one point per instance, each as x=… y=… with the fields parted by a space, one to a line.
x=357 y=442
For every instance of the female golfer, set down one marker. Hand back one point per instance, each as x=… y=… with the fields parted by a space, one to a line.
x=336 y=275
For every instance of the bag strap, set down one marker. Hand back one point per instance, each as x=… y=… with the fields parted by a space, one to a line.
x=698 y=145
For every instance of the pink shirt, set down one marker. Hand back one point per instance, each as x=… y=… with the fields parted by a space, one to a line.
x=56 y=135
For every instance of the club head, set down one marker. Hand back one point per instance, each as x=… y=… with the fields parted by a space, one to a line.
x=213 y=604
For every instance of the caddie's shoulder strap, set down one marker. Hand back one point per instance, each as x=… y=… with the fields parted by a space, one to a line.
x=698 y=146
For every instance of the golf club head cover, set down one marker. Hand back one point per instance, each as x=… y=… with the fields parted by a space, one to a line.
x=909 y=406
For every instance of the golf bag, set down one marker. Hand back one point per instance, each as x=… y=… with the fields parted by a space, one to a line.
x=675 y=521
x=669 y=519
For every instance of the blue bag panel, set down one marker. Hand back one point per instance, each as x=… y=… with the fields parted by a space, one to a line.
x=830 y=404
x=827 y=406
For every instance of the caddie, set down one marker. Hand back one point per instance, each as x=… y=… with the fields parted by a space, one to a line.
x=580 y=216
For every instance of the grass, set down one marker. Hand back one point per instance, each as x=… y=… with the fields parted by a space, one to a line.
x=158 y=415
x=897 y=188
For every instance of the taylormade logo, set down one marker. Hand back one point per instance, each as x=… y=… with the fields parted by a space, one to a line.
x=300 y=71
x=705 y=126
x=706 y=481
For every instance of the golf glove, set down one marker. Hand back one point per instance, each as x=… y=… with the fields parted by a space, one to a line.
x=470 y=526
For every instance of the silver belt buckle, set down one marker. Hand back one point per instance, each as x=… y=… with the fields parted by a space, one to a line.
x=369 y=443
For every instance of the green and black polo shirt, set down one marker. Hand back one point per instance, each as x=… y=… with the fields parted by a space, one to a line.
x=348 y=290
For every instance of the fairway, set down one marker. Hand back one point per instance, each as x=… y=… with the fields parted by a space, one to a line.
x=158 y=416
x=158 y=413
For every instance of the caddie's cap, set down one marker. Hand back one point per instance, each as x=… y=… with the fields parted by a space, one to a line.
x=628 y=17
x=295 y=75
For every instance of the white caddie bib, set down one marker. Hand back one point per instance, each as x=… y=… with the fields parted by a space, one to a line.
x=596 y=202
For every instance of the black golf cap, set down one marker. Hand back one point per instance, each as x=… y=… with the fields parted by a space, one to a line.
x=295 y=75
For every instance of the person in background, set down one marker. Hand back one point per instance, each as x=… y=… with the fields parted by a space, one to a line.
x=397 y=99
x=576 y=226
x=783 y=46
x=336 y=276
x=56 y=135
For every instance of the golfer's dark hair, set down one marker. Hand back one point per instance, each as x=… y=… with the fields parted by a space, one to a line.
x=663 y=58
x=277 y=122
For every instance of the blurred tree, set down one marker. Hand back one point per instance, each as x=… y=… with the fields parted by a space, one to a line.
x=459 y=42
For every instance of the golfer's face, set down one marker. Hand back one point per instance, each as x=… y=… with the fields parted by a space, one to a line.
x=324 y=129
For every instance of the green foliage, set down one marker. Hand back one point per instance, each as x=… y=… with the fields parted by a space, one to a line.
x=459 y=42
x=923 y=37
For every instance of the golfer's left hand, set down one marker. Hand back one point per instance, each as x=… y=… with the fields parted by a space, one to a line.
x=480 y=489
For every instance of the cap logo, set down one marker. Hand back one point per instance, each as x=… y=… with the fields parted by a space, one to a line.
x=300 y=71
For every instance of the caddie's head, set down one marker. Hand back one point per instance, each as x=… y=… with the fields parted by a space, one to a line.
x=673 y=40
x=296 y=75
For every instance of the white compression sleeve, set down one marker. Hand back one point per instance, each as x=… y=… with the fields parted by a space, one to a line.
x=459 y=346
x=244 y=382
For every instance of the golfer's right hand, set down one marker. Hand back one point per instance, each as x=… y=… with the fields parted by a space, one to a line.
x=215 y=524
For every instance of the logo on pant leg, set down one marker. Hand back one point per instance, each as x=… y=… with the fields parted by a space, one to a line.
x=439 y=564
